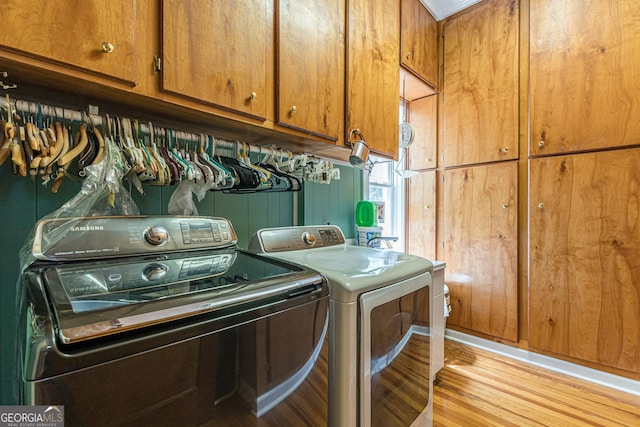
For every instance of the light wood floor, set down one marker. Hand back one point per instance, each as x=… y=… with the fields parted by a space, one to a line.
x=480 y=388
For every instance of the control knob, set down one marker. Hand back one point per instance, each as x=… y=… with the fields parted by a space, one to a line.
x=308 y=238
x=156 y=235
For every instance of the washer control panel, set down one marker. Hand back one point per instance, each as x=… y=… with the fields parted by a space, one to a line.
x=98 y=237
x=282 y=239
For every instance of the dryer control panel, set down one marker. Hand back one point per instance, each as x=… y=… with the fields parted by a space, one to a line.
x=269 y=240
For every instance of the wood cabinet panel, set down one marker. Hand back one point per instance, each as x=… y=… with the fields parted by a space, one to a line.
x=424 y=118
x=481 y=84
x=419 y=41
x=72 y=33
x=585 y=257
x=216 y=52
x=421 y=215
x=584 y=75
x=373 y=73
x=311 y=66
x=481 y=247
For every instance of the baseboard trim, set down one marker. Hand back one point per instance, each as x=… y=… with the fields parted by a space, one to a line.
x=606 y=379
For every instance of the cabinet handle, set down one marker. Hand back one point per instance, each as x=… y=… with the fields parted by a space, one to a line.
x=293 y=110
x=253 y=96
x=107 y=47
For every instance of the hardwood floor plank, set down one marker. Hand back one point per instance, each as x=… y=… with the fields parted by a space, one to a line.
x=480 y=388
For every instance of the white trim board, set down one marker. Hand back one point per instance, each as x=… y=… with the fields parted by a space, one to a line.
x=606 y=379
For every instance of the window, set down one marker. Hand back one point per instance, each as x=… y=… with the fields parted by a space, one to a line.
x=384 y=186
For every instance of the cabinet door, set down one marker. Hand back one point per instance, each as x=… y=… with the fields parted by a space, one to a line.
x=310 y=72
x=373 y=97
x=584 y=75
x=481 y=84
x=421 y=215
x=480 y=248
x=81 y=34
x=424 y=118
x=216 y=52
x=584 y=279
x=419 y=39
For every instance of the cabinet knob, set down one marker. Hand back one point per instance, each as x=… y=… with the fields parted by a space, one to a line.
x=427 y=206
x=293 y=110
x=505 y=206
x=107 y=47
x=409 y=55
x=541 y=205
x=253 y=96
x=541 y=144
x=505 y=149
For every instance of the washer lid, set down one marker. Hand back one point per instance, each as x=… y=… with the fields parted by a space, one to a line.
x=352 y=270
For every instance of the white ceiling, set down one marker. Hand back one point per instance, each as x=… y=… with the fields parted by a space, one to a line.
x=440 y=9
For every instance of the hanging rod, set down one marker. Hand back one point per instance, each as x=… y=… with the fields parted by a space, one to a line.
x=75 y=115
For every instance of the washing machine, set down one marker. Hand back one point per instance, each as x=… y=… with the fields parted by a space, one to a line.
x=379 y=318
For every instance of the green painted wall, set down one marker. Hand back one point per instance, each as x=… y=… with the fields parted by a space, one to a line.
x=23 y=202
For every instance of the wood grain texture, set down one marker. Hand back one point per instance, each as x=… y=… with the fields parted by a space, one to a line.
x=481 y=247
x=421 y=215
x=216 y=52
x=423 y=153
x=373 y=73
x=311 y=66
x=419 y=41
x=481 y=84
x=585 y=257
x=585 y=70
x=72 y=32
x=480 y=388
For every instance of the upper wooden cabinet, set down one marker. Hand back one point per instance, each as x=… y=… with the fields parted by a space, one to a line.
x=481 y=84
x=481 y=247
x=424 y=118
x=310 y=66
x=584 y=75
x=419 y=41
x=373 y=96
x=89 y=35
x=216 y=52
x=584 y=285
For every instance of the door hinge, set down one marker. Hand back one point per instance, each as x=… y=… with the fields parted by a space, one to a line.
x=157 y=64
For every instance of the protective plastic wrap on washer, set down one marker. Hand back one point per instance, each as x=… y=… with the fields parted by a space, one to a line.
x=101 y=194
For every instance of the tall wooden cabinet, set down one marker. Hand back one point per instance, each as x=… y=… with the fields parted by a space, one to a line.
x=585 y=257
x=372 y=95
x=216 y=52
x=311 y=66
x=481 y=247
x=584 y=74
x=480 y=139
x=78 y=34
x=481 y=84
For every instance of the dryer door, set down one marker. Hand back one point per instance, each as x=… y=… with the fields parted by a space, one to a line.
x=395 y=360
